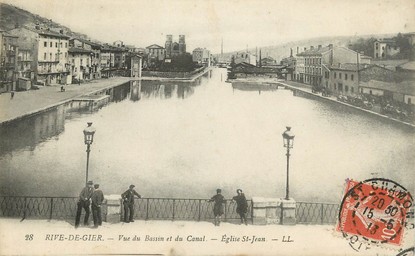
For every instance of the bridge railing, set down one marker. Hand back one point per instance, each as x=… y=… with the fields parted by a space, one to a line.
x=155 y=209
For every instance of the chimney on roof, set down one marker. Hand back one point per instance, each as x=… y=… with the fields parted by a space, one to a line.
x=61 y=31
x=305 y=48
x=312 y=47
x=291 y=52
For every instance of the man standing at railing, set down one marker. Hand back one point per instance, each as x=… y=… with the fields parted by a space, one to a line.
x=128 y=201
x=97 y=198
x=83 y=202
x=241 y=205
x=218 y=206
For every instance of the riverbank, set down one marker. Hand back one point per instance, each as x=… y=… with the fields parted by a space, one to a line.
x=307 y=89
x=191 y=78
x=27 y=103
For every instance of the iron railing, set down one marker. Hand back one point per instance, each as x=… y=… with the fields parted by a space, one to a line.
x=183 y=209
x=155 y=209
x=316 y=213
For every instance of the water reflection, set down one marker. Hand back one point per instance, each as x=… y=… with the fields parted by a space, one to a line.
x=29 y=132
x=167 y=90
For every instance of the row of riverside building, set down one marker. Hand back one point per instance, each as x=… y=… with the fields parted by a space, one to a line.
x=41 y=55
x=346 y=72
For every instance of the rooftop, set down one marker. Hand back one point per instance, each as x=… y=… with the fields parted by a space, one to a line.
x=407 y=66
x=154 y=46
x=78 y=50
x=315 y=51
x=405 y=87
x=46 y=32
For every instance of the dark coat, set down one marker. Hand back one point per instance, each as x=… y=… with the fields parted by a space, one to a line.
x=128 y=196
x=218 y=207
x=241 y=203
x=97 y=197
x=86 y=194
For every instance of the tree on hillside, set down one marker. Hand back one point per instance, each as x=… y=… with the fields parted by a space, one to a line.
x=364 y=45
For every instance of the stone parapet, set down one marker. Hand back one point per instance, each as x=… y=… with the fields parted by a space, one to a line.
x=113 y=208
x=266 y=210
x=288 y=212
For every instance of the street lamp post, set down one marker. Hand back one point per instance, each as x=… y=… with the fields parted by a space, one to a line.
x=89 y=132
x=288 y=138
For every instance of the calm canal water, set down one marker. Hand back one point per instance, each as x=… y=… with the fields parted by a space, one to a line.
x=184 y=140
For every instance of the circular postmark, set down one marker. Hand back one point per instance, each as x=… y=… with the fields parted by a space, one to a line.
x=375 y=211
x=407 y=252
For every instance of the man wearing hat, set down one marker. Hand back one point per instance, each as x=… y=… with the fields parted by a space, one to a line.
x=218 y=206
x=83 y=202
x=128 y=201
x=97 y=198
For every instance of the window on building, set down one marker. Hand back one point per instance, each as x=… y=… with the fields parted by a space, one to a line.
x=335 y=75
x=45 y=44
x=345 y=76
x=383 y=47
x=51 y=44
x=66 y=54
x=352 y=77
x=56 y=45
x=340 y=75
x=44 y=56
x=60 y=44
x=346 y=88
x=66 y=45
x=377 y=46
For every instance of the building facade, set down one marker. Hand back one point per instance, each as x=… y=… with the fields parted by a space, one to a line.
x=50 y=53
x=155 y=52
x=201 y=56
x=80 y=60
x=384 y=48
x=8 y=61
x=174 y=48
x=95 y=49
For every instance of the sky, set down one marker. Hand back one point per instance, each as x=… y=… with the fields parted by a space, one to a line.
x=240 y=23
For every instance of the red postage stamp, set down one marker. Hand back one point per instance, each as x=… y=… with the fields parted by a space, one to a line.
x=375 y=210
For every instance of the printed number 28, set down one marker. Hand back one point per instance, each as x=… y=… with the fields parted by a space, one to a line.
x=29 y=237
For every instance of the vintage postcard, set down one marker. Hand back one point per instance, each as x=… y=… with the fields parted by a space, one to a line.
x=235 y=127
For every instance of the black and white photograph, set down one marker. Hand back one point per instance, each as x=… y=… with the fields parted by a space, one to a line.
x=207 y=127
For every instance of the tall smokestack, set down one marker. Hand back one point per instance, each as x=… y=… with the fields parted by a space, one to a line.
x=291 y=52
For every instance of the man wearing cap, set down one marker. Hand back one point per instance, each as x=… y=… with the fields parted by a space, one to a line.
x=128 y=200
x=218 y=206
x=97 y=198
x=83 y=202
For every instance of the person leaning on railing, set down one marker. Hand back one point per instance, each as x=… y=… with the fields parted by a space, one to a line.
x=241 y=205
x=128 y=201
x=84 y=202
x=218 y=206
